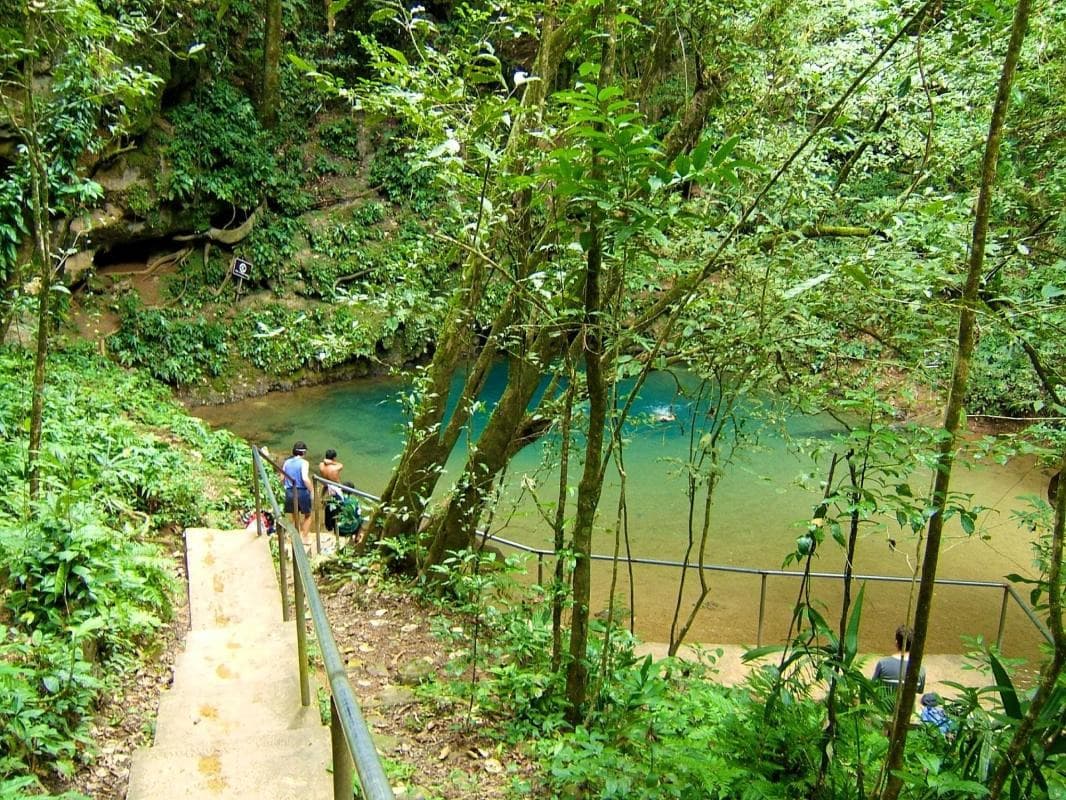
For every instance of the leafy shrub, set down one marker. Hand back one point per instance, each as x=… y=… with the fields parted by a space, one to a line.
x=401 y=179
x=176 y=351
x=280 y=340
x=79 y=593
x=82 y=588
x=341 y=138
x=1002 y=379
x=271 y=247
x=218 y=151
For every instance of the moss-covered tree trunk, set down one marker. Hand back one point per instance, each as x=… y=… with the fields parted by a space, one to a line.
x=431 y=441
x=953 y=414
x=432 y=437
x=270 y=98
x=455 y=527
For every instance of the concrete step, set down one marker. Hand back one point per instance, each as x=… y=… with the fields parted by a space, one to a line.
x=227 y=656
x=202 y=714
x=286 y=765
x=231 y=578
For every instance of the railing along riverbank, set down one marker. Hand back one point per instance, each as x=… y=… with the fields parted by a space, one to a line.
x=349 y=735
x=1009 y=593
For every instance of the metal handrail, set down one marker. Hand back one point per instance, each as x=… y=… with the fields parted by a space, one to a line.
x=1009 y=592
x=349 y=735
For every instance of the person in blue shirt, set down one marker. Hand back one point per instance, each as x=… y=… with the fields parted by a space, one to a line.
x=298 y=489
x=932 y=713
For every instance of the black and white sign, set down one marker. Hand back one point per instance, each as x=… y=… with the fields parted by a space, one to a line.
x=241 y=269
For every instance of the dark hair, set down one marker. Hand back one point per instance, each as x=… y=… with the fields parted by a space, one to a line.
x=904 y=634
x=331 y=453
x=299 y=449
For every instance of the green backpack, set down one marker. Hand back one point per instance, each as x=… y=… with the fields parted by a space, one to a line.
x=349 y=517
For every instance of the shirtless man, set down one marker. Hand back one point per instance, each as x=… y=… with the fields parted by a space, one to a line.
x=330 y=469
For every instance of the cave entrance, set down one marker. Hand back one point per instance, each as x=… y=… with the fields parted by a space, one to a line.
x=128 y=257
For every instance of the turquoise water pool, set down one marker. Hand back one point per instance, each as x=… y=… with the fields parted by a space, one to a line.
x=764 y=500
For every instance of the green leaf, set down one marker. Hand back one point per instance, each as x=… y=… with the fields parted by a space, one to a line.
x=397 y=56
x=1007 y=693
x=759 y=652
x=856 y=273
x=851 y=634
x=966 y=518
x=337 y=6
x=300 y=63
x=723 y=152
x=810 y=283
x=1050 y=290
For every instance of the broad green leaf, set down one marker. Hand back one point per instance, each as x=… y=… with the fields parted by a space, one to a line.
x=851 y=634
x=810 y=283
x=1007 y=693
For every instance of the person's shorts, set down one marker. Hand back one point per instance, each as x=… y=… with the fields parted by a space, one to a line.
x=331 y=512
x=304 y=501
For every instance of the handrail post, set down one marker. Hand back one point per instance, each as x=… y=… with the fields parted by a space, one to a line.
x=316 y=508
x=540 y=569
x=301 y=636
x=343 y=772
x=762 y=608
x=1002 y=618
x=283 y=571
x=258 y=500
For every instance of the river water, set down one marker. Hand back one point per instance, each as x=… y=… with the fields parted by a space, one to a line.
x=762 y=505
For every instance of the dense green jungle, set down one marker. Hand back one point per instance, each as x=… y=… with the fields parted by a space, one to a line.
x=855 y=208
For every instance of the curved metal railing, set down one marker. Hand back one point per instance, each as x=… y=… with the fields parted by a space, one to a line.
x=349 y=734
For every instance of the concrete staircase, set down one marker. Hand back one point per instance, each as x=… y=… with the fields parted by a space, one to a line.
x=232 y=726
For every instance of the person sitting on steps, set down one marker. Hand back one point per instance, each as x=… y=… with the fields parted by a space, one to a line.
x=891 y=670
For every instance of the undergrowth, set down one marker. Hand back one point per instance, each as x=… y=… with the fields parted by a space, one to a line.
x=86 y=581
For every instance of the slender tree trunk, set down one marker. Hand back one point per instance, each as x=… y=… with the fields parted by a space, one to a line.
x=953 y=414
x=591 y=483
x=829 y=734
x=559 y=583
x=271 y=88
x=42 y=257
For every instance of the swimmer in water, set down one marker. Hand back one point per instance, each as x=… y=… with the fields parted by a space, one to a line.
x=664 y=415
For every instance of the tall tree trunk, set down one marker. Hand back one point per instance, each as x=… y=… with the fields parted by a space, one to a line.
x=455 y=528
x=591 y=483
x=42 y=257
x=559 y=583
x=406 y=497
x=431 y=440
x=953 y=414
x=270 y=98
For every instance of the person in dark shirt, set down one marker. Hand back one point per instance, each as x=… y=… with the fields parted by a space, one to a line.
x=890 y=670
